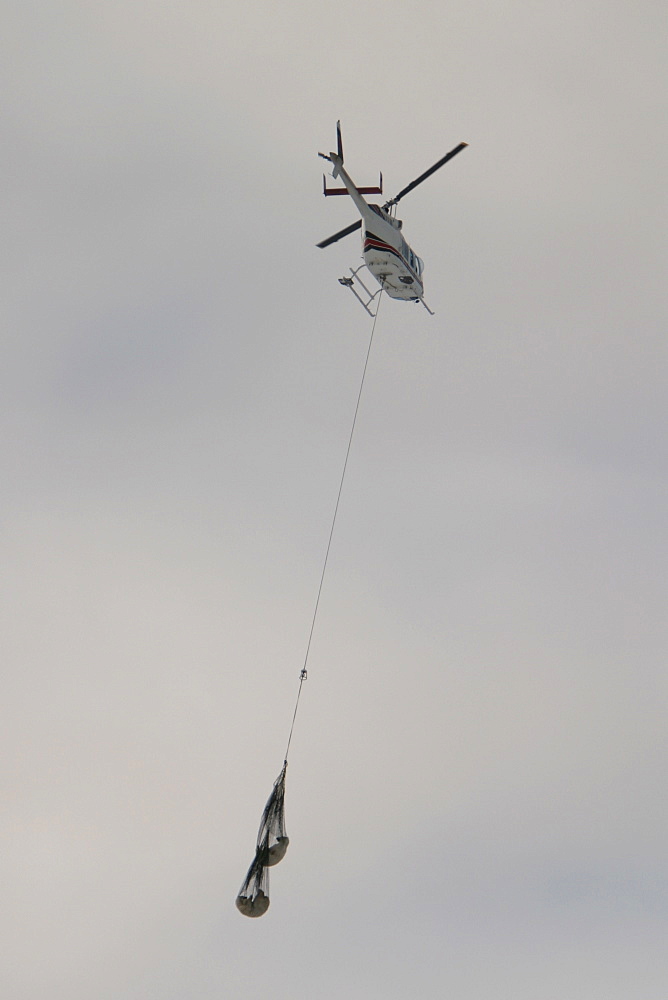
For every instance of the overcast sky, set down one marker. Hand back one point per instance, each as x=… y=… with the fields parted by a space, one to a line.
x=476 y=796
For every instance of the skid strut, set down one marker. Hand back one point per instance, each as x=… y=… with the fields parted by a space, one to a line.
x=371 y=296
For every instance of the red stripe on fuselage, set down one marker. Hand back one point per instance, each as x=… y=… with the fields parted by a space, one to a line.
x=372 y=242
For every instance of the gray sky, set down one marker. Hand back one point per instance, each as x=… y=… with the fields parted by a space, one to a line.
x=476 y=794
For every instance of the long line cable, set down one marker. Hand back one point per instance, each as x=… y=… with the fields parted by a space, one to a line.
x=302 y=676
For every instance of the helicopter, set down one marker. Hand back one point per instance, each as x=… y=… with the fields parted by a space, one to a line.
x=388 y=257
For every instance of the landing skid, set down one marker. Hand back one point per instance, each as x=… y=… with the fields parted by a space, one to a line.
x=371 y=296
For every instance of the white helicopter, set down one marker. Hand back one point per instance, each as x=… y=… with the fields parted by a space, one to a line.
x=386 y=254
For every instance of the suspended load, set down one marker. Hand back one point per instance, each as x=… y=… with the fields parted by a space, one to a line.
x=272 y=843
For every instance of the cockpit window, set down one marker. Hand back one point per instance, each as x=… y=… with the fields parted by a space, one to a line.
x=412 y=258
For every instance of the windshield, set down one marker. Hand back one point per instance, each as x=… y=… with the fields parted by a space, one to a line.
x=414 y=261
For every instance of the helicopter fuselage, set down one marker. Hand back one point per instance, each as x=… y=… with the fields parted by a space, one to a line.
x=389 y=258
x=386 y=254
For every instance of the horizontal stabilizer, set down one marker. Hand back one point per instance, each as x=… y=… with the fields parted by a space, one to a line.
x=362 y=190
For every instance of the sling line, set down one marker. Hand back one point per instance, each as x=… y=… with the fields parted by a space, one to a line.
x=303 y=674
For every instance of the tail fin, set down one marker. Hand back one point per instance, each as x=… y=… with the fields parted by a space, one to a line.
x=335 y=158
x=338 y=160
x=339 y=142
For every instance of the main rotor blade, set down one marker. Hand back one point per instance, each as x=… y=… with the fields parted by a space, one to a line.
x=340 y=234
x=427 y=173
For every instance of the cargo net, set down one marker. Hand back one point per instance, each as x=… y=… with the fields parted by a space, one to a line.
x=272 y=843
